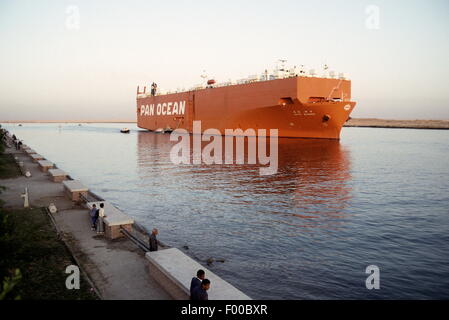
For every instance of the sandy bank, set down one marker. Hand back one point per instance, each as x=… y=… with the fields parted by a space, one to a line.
x=409 y=124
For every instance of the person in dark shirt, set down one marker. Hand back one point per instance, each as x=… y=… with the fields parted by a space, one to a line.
x=200 y=292
x=93 y=216
x=153 y=89
x=196 y=281
x=153 y=240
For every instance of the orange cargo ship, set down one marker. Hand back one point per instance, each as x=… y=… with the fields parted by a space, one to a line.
x=297 y=105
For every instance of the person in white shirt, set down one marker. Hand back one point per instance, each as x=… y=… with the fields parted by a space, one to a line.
x=100 y=221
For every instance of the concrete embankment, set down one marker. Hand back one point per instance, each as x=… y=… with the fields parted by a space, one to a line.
x=114 y=263
x=118 y=269
x=400 y=124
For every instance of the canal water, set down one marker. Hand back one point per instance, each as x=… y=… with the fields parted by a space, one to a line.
x=378 y=197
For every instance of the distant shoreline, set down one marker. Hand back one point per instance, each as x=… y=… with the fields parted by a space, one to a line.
x=400 y=124
x=355 y=122
x=70 y=121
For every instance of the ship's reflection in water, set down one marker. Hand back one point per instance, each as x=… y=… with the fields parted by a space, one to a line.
x=263 y=226
x=309 y=190
x=317 y=174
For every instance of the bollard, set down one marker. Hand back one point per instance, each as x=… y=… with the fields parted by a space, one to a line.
x=52 y=208
x=26 y=203
x=27 y=174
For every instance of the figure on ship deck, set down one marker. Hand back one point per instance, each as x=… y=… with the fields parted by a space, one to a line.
x=153 y=89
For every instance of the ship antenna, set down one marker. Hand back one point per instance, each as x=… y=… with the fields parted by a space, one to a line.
x=204 y=76
x=325 y=68
x=282 y=61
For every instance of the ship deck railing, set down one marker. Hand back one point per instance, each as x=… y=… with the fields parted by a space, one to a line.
x=248 y=80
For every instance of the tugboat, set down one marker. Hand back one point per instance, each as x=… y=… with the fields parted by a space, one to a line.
x=124 y=130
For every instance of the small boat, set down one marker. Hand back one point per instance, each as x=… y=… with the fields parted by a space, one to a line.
x=20 y=124
x=159 y=130
x=124 y=130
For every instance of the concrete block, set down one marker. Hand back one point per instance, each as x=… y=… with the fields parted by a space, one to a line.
x=74 y=188
x=45 y=165
x=174 y=270
x=113 y=232
x=36 y=157
x=57 y=175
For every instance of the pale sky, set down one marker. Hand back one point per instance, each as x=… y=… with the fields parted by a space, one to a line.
x=55 y=66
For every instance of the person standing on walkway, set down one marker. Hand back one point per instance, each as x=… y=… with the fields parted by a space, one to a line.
x=100 y=221
x=93 y=216
x=200 y=292
x=196 y=281
x=153 y=240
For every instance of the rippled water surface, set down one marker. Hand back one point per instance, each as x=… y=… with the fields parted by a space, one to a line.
x=379 y=196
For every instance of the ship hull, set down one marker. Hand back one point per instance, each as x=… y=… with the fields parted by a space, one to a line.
x=297 y=107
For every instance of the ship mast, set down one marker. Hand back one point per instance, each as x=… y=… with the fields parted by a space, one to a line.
x=282 y=62
x=204 y=77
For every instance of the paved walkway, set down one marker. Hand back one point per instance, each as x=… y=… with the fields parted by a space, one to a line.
x=118 y=268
